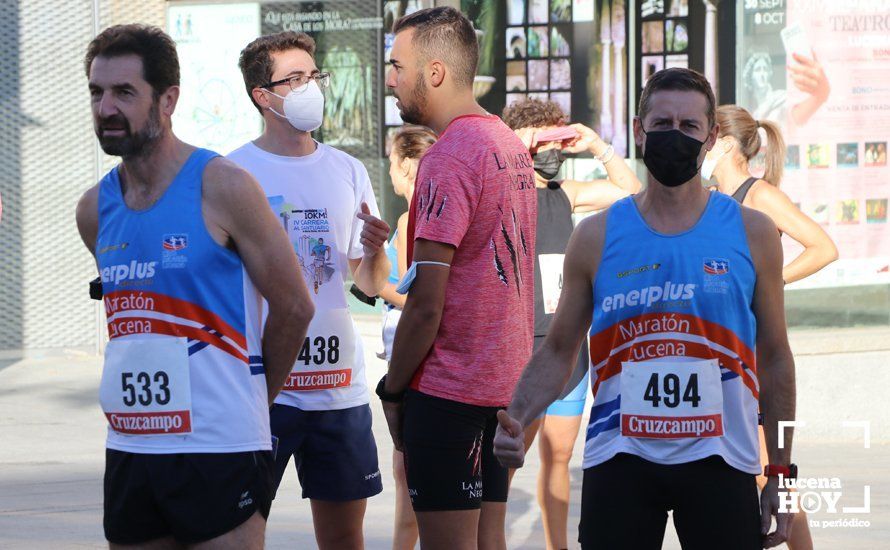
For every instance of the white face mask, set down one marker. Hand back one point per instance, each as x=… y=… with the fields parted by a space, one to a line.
x=304 y=109
x=710 y=164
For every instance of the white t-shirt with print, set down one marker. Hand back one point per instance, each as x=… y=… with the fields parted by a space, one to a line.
x=316 y=198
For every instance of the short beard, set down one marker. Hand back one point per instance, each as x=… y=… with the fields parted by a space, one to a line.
x=415 y=113
x=133 y=144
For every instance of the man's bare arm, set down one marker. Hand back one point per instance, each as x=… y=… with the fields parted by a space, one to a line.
x=775 y=363
x=87 y=216
x=421 y=315
x=551 y=366
x=237 y=204
x=370 y=273
x=588 y=196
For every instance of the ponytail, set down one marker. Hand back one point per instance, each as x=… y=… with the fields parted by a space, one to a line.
x=738 y=123
x=775 y=152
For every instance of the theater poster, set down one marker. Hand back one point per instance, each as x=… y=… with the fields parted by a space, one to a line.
x=836 y=121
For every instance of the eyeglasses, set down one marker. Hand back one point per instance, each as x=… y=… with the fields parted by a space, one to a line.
x=298 y=82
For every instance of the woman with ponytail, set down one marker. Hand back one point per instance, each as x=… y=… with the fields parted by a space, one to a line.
x=738 y=142
x=408 y=146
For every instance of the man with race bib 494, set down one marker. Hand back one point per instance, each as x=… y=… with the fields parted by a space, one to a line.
x=682 y=291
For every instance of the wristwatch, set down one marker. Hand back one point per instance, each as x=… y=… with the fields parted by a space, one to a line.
x=385 y=396
x=773 y=470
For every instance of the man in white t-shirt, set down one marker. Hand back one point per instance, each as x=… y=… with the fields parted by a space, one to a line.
x=324 y=199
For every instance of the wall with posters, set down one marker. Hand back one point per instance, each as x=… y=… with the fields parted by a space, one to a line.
x=572 y=52
x=837 y=127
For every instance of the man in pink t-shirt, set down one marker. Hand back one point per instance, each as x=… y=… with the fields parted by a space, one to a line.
x=467 y=326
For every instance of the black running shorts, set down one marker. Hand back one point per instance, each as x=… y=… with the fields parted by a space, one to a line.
x=191 y=497
x=449 y=454
x=625 y=503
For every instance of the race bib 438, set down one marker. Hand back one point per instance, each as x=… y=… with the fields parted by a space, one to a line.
x=327 y=355
x=671 y=399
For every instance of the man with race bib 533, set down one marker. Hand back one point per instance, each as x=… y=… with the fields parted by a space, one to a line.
x=684 y=291
x=183 y=240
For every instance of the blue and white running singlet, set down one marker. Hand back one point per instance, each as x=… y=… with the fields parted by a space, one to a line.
x=183 y=368
x=672 y=344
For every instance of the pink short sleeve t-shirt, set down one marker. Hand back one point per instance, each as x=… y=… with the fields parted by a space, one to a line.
x=475 y=190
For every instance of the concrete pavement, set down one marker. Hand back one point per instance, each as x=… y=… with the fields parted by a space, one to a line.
x=52 y=435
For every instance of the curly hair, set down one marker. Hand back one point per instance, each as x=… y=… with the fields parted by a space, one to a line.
x=533 y=113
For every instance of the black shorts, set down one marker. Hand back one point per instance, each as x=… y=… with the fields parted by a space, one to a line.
x=334 y=451
x=449 y=454
x=192 y=497
x=625 y=501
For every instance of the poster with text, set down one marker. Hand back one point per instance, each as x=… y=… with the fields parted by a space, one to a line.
x=821 y=70
x=214 y=110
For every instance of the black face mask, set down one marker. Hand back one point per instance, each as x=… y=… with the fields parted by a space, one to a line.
x=548 y=163
x=671 y=156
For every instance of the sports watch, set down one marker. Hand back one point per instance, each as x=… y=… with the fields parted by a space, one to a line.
x=385 y=396
x=773 y=470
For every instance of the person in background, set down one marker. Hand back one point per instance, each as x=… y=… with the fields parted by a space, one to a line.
x=533 y=120
x=738 y=142
x=409 y=144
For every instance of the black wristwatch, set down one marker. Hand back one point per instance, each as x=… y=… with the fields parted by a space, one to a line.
x=388 y=397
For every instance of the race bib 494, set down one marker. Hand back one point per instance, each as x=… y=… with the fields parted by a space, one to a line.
x=671 y=399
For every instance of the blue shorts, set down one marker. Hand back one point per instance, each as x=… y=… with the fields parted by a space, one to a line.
x=334 y=451
x=571 y=403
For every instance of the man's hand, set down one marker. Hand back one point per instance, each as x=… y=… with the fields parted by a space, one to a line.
x=374 y=231
x=769 y=507
x=394 y=413
x=809 y=77
x=509 y=441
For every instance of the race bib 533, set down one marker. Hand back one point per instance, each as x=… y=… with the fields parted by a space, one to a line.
x=145 y=388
